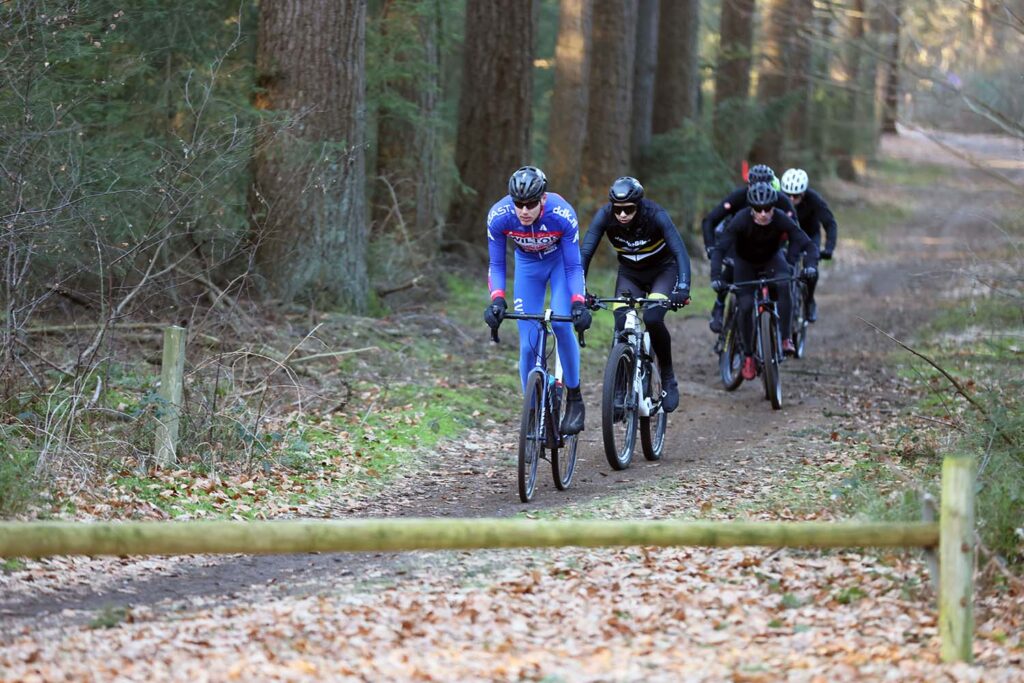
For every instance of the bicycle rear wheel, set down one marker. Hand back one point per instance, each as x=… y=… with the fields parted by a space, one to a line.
x=619 y=407
x=531 y=436
x=563 y=458
x=652 y=428
x=770 y=359
x=800 y=323
x=730 y=359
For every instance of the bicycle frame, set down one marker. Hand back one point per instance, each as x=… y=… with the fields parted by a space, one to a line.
x=641 y=343
x=763 y=302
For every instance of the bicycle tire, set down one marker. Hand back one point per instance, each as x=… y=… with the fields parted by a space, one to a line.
x=652 y=428
x=619 y=419
x=531 y=436
x=730 y=359
x=800 y=323
x=563 y=457
x=770 y=359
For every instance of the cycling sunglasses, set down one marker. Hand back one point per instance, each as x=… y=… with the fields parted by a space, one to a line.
x=624 y=209
x=762 y=209
x=529 y=206
x=796 y=196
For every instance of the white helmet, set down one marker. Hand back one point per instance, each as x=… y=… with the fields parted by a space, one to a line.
x=794 y=181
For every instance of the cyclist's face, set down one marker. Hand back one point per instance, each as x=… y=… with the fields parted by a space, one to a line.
x=762 y=214
x=624 y=212
x=796 y=198
x=528 y=212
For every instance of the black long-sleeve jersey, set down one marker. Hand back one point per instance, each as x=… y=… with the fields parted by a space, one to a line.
x=814 y=214
x=647 y=241
x=758 y=243
x=730 y=206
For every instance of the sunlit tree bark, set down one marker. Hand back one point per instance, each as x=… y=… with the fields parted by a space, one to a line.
x=891 y=96
x=309 y=197
x=568 y=123
x=606 y=153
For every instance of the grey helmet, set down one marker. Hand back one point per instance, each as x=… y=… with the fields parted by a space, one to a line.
x=762 y=194
x=760 y=173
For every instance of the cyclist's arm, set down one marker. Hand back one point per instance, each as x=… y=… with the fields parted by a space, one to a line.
x=723 y=246
x=799 y=243
x=828 y=221
x=592 y=238
x=496 y=242
x=570 y=244
x=676 y=246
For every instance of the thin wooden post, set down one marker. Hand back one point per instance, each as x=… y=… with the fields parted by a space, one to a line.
x=956 y=560
x=172 y=375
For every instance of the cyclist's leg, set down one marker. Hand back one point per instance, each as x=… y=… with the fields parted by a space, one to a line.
x=626 y=282
x=561 y=304
x=779 y=267
x=662 y=282
x=531 y=280
x=742 y=271
x=727 y=277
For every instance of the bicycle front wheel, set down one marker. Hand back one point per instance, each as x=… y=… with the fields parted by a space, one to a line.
x=800 y=320
x=563 y=458
x=652 y=428
x=730 y=359
x=531 y=436
x=770 y=358
x=619 y=407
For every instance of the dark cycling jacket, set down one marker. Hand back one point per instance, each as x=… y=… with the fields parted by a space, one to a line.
x=646 y=242
x=730 y=206
x=758 y=243
x=814 y=214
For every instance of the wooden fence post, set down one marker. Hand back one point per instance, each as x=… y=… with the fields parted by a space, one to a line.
x=172 y=375
x=956 y=560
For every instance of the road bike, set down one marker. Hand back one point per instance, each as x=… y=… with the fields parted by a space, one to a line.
x=543 y=407
x=632 y=392
x=767 y=339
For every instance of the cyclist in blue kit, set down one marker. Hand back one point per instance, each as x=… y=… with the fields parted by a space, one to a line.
x=545 y=231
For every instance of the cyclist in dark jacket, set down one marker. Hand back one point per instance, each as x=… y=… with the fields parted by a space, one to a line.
x=814 y=214
x=756 y=235
x=652 y=260
x=716 y=219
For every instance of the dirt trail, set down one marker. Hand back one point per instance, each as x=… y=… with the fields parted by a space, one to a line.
x=728 y=437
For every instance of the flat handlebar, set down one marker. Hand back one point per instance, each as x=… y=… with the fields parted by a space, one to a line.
x=761 y=281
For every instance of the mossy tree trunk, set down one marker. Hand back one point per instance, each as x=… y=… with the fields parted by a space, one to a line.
x=569 y=100
x=732 y=132
x=678 y=75
x=308 y=203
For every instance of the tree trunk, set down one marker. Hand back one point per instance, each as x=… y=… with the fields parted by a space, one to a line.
x=309 y=196
x=771 y=85
x=859 y=121
x=678 y=75
x=891 y=95
x=606 y=153
x=644 y=71
x=407 y=191
x=797 y=57
x=568 y=126
x=495 y=111
x=732 y=81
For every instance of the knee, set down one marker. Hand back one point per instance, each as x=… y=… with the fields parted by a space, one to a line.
x=654 y=318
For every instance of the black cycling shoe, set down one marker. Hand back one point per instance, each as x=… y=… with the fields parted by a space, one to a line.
x=812 y=312
x=572 y=421
x=716 y=317
x=670 y=389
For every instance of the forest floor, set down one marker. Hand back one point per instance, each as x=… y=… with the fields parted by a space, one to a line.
x=695 y=614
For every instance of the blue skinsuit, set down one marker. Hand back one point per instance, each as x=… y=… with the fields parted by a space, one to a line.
x=547 y=250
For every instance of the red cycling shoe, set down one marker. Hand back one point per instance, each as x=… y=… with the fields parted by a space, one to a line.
x=749 y=370
x=788 y=348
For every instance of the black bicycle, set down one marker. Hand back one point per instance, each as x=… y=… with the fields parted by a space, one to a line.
x=768 y=355
x=543 y=407
x=632 y=392
x=800 y=323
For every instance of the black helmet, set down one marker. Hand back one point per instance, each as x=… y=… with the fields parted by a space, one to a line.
x=626 y=189
x=760 y=174
x=762 y=194
x=527 y=184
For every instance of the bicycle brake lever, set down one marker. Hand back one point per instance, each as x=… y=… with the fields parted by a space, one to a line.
x=494 y=335
x=583 y=343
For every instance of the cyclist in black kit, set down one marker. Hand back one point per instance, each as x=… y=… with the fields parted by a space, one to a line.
x=718 y=217
x=756 y=236
x=652 y=260
x=813 y=214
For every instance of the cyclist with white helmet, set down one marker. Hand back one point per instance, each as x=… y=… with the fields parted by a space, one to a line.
x=814 y=214
x=544 y=229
